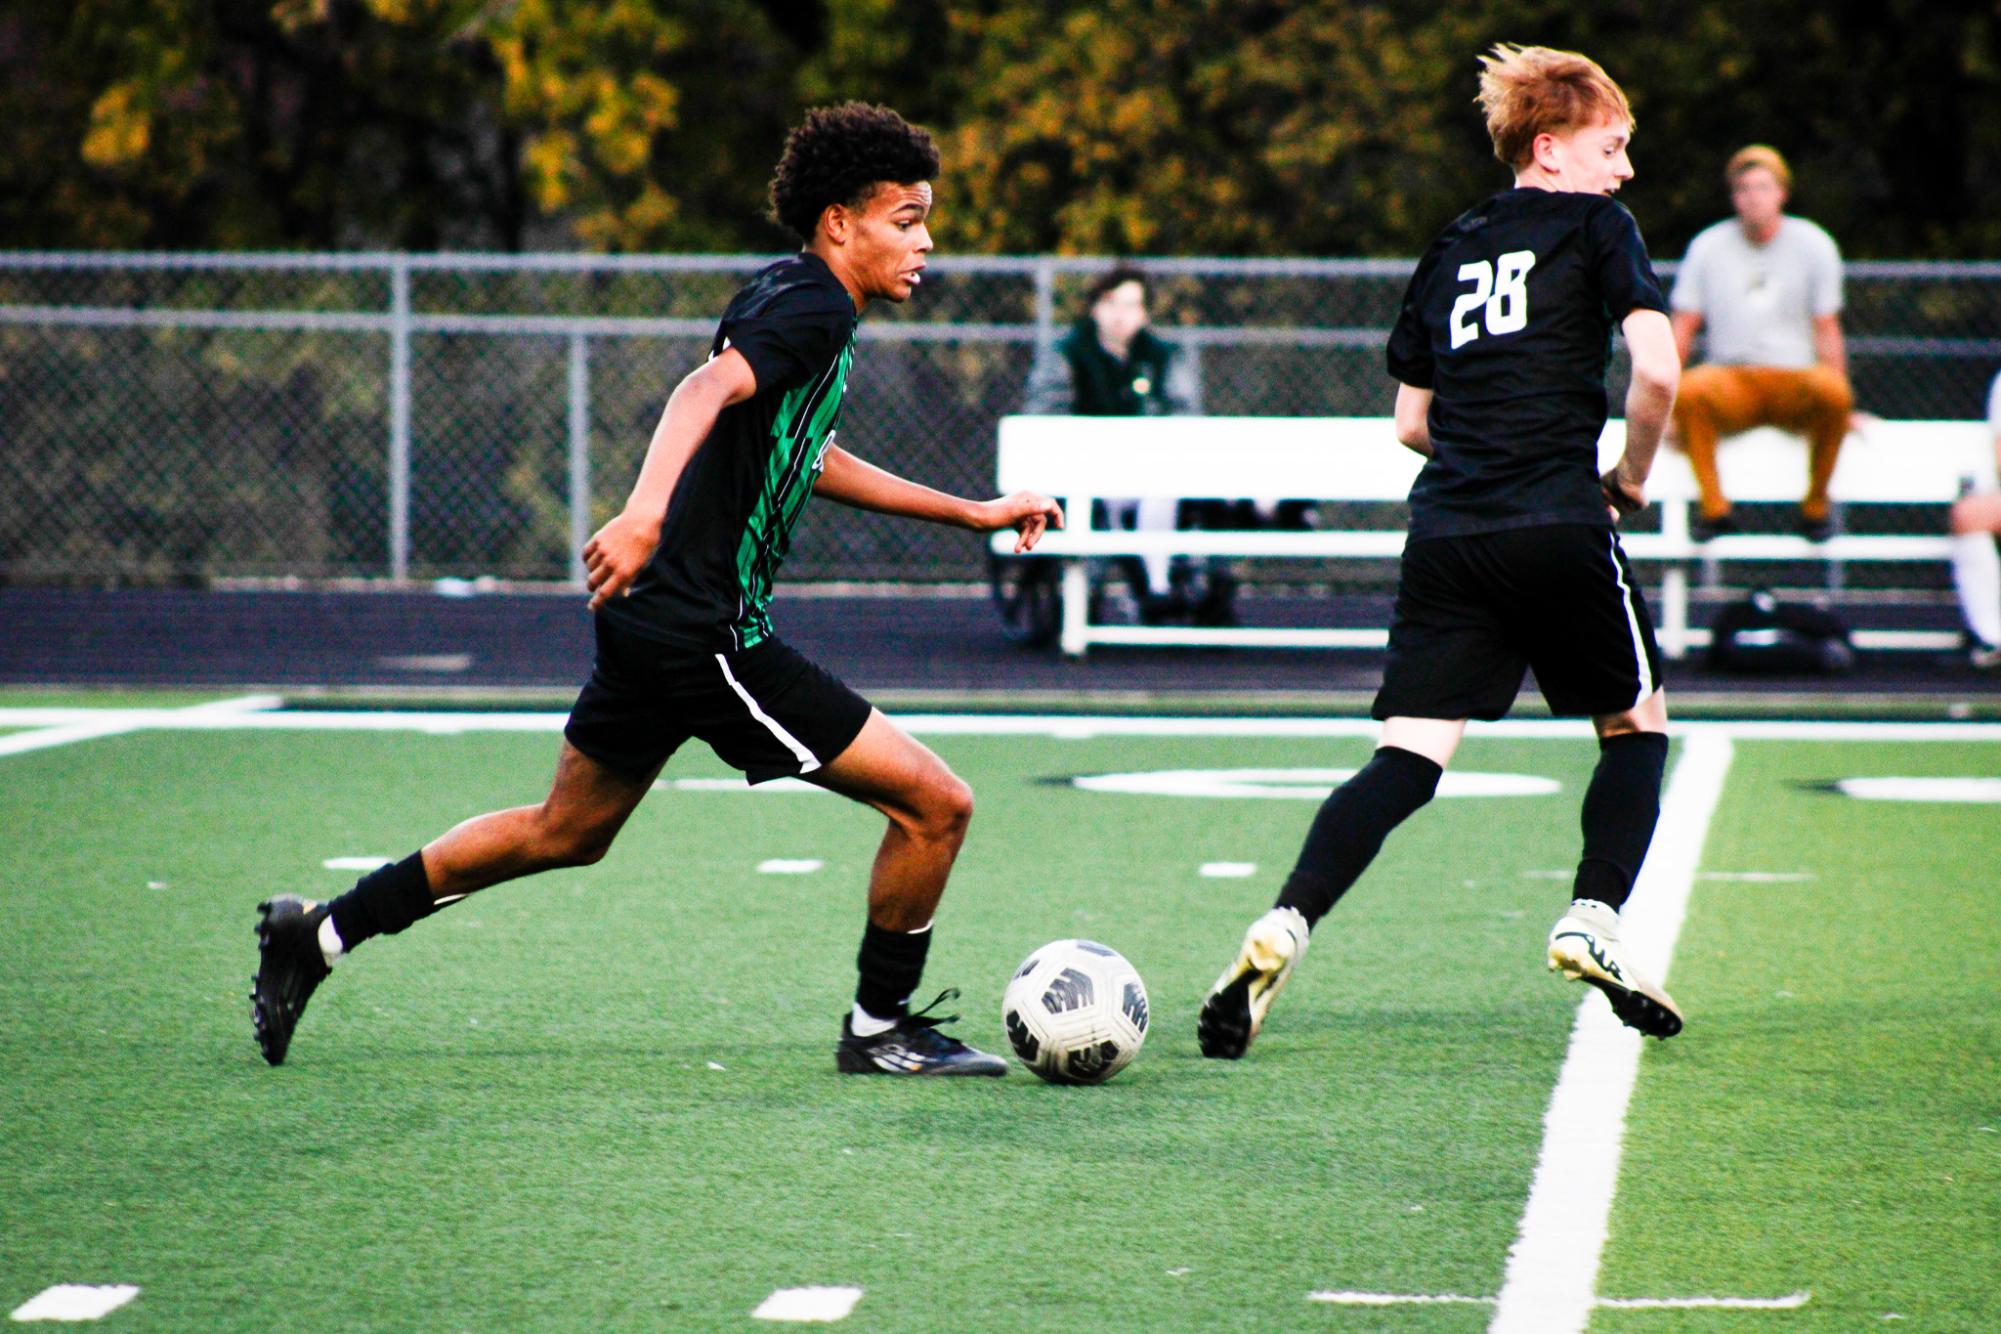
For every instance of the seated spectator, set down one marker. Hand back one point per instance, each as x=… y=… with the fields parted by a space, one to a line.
x=1976 y=566
x=1111 y=365
x=1767 y=286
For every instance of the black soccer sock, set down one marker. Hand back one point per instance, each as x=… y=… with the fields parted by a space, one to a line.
x=1351 y=826
x=891 y=964
x=383 y=902
x=1621 y=807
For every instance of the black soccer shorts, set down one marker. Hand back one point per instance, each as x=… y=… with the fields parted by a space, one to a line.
x=765 y=710
x=1473 y=612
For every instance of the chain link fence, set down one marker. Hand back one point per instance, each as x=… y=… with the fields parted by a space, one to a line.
x=191 y=418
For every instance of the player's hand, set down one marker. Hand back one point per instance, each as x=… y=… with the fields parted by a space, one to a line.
x=1622 y=494
x=616 y=554
x=1029 y=514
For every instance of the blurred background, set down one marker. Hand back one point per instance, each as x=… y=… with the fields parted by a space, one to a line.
x=338 y=292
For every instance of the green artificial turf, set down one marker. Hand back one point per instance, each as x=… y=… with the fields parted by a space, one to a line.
x=1833 y=1124
x=512 y=1116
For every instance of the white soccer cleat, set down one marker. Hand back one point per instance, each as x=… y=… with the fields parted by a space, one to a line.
x=1584 y=947
x=1236 y=1006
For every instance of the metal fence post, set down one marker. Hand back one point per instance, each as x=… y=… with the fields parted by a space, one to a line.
x=399 y=418
x=1045 y=304
x=580 y=454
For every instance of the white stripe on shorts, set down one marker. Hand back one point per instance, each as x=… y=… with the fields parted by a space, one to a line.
x=1640 y=667
x=807 y=762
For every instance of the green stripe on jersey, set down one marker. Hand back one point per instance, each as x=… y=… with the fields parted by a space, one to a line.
x=800 y=430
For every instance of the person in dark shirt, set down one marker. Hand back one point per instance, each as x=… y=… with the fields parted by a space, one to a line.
x=681 y=584
x=1512 y=559
x=1111 y=364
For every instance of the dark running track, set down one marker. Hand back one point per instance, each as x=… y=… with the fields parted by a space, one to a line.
x=902 y=648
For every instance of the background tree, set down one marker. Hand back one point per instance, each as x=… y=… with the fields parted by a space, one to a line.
x=1131 y=126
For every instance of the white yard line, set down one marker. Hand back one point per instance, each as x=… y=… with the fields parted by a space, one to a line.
x=1397 y=1299
x=1552 y=1273
x=1792 y=1301
x=45 y=737
x=62 y=727
x=258 y=713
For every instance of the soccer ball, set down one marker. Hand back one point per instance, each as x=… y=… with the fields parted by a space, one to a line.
x=1075 y=1012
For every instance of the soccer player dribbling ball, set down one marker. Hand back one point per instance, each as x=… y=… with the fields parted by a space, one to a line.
x=1513 y=560
x=680 y=583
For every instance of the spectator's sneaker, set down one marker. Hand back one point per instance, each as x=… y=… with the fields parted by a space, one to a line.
x=913 y=1047
x=1815 y=530
x=1236 y=1006
x=1584 y=946
x=1704 y=528
x=289 y=966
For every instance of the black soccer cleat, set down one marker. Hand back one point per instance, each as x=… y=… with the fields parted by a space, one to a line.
x=289 y=966
x=913 y=1047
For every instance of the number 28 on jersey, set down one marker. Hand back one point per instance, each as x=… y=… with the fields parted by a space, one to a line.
x=1499 y=299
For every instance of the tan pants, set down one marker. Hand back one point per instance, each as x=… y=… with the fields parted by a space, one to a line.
x=1716 y=401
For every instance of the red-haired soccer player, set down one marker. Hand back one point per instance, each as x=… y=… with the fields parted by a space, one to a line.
x=1512 y=559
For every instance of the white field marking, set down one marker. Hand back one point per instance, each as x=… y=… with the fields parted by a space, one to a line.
x=1921 y=789
x=356 y=863
x=1228 y=870
x=89 y=724
x=1397 y=1299
x=265 y=717
x=44 y=738
x=789 y=866
x=1294 y=784
x=808 y=1305
x=75 y=1301
x=1552 y=1269
x=1746 y=877
x=1792 y=1301
x=739 y=786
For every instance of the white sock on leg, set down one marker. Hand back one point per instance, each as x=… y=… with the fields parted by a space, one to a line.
x=331 y=946
x=865 y=1025
x=1976 y=573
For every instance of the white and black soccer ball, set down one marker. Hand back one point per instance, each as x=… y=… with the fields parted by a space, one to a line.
x=1075 y=1012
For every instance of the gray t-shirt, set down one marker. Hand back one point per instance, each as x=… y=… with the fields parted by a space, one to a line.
x=1758 y=302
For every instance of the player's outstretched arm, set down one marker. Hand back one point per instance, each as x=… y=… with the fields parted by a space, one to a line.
x=618 y=551
x=849 y=480
x=1650 y=397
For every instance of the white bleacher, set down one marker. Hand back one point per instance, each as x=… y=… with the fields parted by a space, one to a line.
x=1359 y=459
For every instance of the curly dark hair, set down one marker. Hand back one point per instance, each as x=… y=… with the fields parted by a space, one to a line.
x=838 y=154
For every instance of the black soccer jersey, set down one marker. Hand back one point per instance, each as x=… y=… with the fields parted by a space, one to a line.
x=730 y=521
x=1508 y=320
